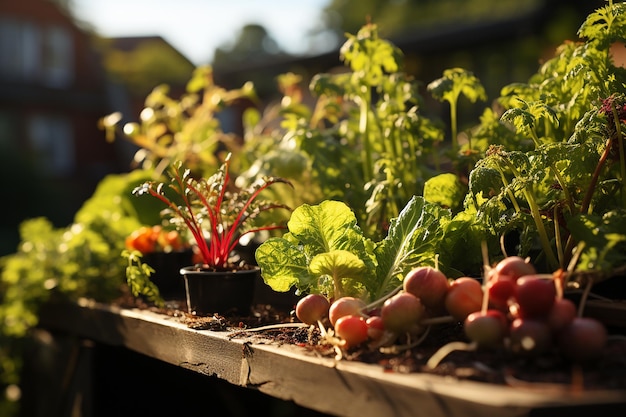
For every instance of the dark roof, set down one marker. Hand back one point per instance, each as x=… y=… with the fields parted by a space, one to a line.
x=131 y=43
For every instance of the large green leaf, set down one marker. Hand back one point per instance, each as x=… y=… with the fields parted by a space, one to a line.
x=344 y=267
x=328 y=226
x=282 y=264
x=324 y=246
x=337 y=263
x=412 y=240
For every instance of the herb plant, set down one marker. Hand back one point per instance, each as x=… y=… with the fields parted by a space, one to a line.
x=216 y=217
x=365 y=139
x=138 y=276
x=449 y=87
x=568 y=170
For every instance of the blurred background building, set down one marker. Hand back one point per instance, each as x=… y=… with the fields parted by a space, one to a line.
x=58 y=77
x=52 y=92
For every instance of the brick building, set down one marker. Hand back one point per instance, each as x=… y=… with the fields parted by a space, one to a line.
x=52 y=93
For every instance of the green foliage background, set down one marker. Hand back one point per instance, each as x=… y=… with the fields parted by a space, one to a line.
x=519 y=173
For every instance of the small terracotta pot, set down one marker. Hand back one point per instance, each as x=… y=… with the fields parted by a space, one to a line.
x=210 y=292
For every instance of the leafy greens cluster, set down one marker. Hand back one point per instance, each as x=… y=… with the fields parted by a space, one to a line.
x=546 y=178
x=570 y=180
x=364 y=139
x=326 y=252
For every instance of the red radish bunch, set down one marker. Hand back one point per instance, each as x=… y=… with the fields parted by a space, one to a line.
x=424 y=290
x=514 y=307
x=526 y=309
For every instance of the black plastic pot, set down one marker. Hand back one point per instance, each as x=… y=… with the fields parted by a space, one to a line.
x=166 y=275
x=222 y=292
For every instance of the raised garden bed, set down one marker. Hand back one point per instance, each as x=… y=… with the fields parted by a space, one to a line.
x=273 y=364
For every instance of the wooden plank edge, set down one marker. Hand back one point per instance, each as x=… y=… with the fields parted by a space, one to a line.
x=288 y=372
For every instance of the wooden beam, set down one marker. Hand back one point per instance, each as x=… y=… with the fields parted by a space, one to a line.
x=289 y=372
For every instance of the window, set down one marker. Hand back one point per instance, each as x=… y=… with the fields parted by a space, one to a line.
x=20 y=49
x=36 y=54
x=58 y=57
x=52 y=144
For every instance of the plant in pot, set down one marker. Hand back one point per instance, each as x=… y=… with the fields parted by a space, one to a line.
x=164 y=250
x=217 y=215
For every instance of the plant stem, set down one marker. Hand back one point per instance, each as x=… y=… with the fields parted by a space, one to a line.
x=338 y=288
x=557 y=236
x=454 y=126
x=543 y=235
x=622 y=157
x=364 y=106
x=557 y=175
x=584 y=207
x=536 y=215
x=505 y=182
x=486 y=275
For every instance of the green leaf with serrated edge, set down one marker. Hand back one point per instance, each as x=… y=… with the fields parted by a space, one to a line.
x=456 y=81
x=314 y=230
x=445 y=190
x=369 y=56
x=413 y=239
x=604 y=237
x=282 y=264
x=606 y=24
x=138 y=276
x=328 y=226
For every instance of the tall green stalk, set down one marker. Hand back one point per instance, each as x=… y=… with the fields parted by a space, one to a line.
x=364 y=130
x=537 y=218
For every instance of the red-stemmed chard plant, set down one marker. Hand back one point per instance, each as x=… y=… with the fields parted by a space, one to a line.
x=216 y=214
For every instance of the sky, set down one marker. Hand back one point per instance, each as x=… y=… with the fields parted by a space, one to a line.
x=197 y=27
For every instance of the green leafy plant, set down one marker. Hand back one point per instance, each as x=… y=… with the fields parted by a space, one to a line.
x=364 y=140
x=216 y=217
x=138 y=276
x=456 y=81
x=325 y=252
x=67 y=263
x=182 y=129
x=557 y=169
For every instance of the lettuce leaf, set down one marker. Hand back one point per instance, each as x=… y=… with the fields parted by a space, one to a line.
x=325 y=251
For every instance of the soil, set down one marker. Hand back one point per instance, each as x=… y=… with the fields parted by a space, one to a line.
x=491 y=366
